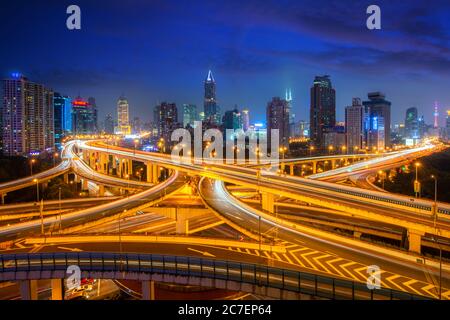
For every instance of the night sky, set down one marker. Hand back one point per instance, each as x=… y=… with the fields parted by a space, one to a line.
x=153 y=51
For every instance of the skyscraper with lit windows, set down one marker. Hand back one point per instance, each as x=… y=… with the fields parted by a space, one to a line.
x=211 y=109
x=27 y=115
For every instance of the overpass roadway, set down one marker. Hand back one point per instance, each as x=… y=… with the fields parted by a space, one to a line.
x=134 y=202
x=317 y=252
x=413 y=214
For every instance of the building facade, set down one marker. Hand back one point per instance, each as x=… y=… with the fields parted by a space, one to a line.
x=378 y=107
x=277 y=117
x=28 y=117
x=322 y=109
x=166 y=119
x=84 y=116
x=354 y=126
x=123 y=117
x=62 y=106
x=211 y=109
x=190 y=114
x=412 y=124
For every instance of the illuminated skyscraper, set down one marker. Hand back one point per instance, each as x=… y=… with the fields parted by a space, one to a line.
x=354 y=126
x=245 y=119
x=62 y=117
x=378 y=107
x=123 y=117
x=212 y=111
x=189 y=114
x=322 y=109
x=232 y=119
x=84 y=116
x=411 y=124
x=166 y=118
x=27 y=114
x=277 y=116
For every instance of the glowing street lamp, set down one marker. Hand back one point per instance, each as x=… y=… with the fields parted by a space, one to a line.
x=32 y=161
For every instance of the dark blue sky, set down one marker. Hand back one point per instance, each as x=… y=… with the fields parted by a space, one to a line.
x=161 y=51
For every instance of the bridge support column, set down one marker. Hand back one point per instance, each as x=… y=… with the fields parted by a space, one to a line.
x=130 y=167
x=414 y=240
x=57 y=289
x=101 y=190
x=155 y=174
x=3 y=195
x=182 y=224
x=149 y=167
x=314 y=167
x=268 y=201
x=28 y=289
x=148 y=290
x=291 y=170
x=85 y=185
x=333 y=164
x=66 y=178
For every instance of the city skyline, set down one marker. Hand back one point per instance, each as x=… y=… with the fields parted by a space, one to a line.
x=249 y=66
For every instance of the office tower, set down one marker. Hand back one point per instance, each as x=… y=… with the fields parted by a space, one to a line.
x=84 y=116
x=109 y=124
x=136 y=125
x=27 y=115
x=62 y=106
x=166 y=118
x=436 y=115
x=411 y=124
x=334 y=138
x=376 y=133
x=422 y=126
x=379 y=107
x=212 y=111
x=123 y=117
x=277 y=117
x=189 y=114
x=232 y=119
x=93 y=120
x=322 y=109
x=245 y=119
x=354 y=126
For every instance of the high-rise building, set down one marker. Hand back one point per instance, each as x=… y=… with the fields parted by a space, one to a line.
x=94 y=114
x=232 y=119
x=322 y=109
x=190 y=114
x=123 y=117
x=84 y=116
x=375 y=134
x=411 y=124
x=378 y=107
x=354 y=126
x=62 y=106
x=27 y=115
x=212 y=110
x=245 y=119
x=136 y=125
x=109 y=124
x=447 y=125
x=277 y=117
x=166 y=118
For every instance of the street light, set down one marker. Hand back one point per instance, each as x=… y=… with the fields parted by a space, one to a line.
x=32 y=161
x=55 y=155
x=37 y=189
x=330 y=149
x=136 y=141
x=311 y=149
x=416 y=182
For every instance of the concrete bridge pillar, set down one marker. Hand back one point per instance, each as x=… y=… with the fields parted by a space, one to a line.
x=28 y=289
x=291 y=170
x=85 y=185
x=268 y=201
x=333 y=164
x=101 y=190
x=57 y=289
x=314 y=167
x=130 y=167
x=149 y=168
x=66 y=178
x=3 y=195
x=155 y=174
x=148 y=290
x=414 y=240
